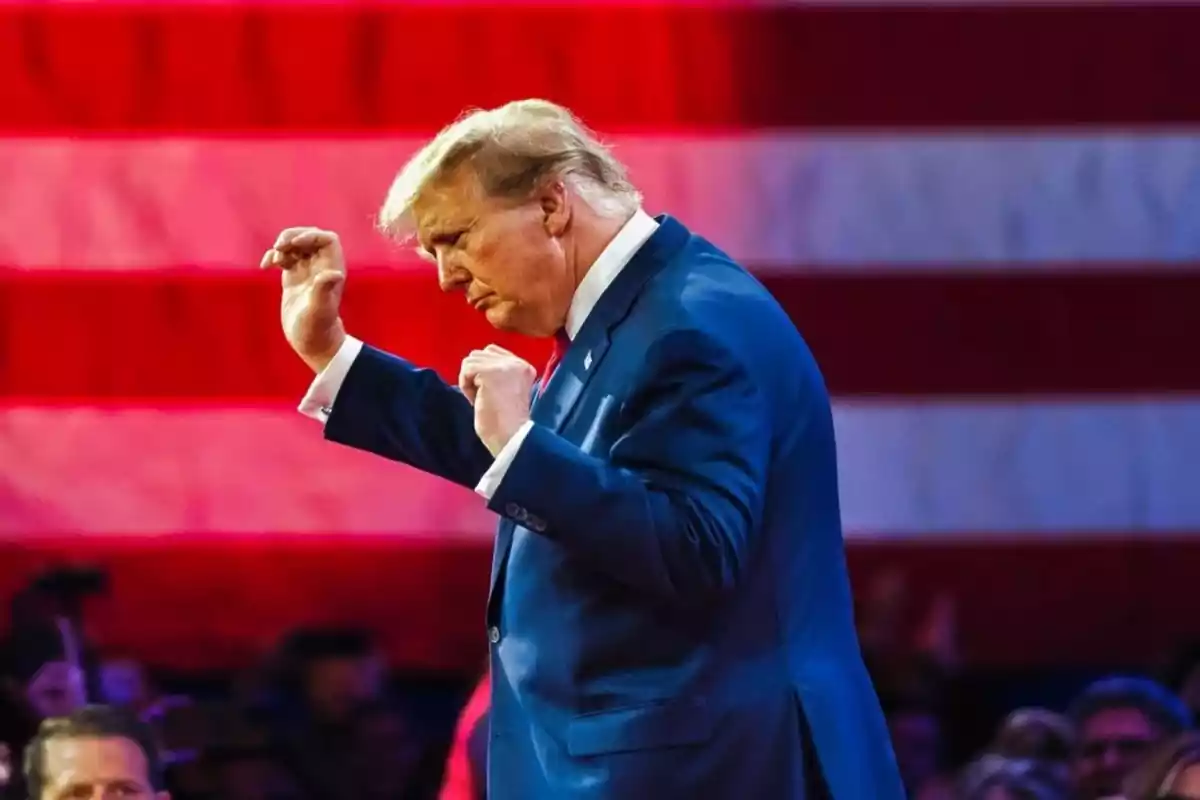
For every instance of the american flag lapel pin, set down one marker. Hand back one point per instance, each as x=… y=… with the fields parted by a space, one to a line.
x=587 y=360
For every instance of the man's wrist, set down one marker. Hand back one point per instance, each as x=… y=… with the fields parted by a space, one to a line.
x=496 y=444
x=320 y=361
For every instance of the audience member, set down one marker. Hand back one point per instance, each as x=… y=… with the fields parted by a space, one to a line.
x=49 y=678
x=1118 y=720
x=466 y=768
x=915 y=723
x=330 y=686
x=1170 y=772
x=95 y=752
x=1038 y=735
x=387 y=750
x=995 y=777
x=248 y=773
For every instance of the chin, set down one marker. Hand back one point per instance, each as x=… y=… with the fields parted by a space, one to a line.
x=508 y=317
x=501 y=319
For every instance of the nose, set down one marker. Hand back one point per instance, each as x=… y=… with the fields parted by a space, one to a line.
x=1112 y=759
x=451 y=276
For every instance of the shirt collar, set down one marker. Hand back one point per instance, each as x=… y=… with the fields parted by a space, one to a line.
x=608 y=265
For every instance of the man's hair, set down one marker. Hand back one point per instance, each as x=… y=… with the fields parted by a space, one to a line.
x=1034 y=733
x=91 y=722
x=512 y=150
x=1023 y=778
x=1164 y=710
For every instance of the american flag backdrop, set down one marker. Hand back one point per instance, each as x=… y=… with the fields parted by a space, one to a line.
x=985 y=219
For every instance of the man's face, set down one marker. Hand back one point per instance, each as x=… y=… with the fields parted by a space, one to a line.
x=57 y=690
x=509 y=260
x=1111 y=743
x=916 y=739
x=96 y=768
x=336 y=687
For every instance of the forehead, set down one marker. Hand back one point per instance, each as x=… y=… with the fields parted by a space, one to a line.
x=88 y=759
x=1117 y=722
x=452 y=201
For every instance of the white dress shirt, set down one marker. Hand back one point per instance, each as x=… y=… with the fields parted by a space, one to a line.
x=318 y=401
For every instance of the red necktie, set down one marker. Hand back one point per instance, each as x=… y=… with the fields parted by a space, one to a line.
x=561 y=343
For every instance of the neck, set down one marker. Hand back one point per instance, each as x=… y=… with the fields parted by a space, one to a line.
x=593 y=234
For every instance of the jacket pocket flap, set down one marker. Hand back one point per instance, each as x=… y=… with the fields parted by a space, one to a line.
x=664 y=724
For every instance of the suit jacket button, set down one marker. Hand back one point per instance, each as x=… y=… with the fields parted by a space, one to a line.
x=513 y=510
x=537 y=524
x=494 y=635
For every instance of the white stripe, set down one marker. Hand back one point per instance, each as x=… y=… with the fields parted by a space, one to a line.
x=939 y=468
x=907 y=470
x=912 y=201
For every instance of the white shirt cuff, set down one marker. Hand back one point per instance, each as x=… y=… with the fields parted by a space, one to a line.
x=490 y=481
x=318 y=401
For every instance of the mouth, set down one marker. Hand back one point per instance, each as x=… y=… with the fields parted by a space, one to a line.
x=482 y=303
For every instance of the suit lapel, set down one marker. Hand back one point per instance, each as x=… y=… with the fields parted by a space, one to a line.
x=553 y=407
x=588 y=349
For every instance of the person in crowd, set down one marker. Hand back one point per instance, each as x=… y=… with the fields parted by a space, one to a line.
x=94 y=753
x=1170 y=772
x=466 y=767
x=123 y=682
x=388 y=750
x=42 y=679
x=914 y=721
x=330 y=695
x=249 y=773
x=1039 y=735
x=995 y=777
x=1117 y=721
x=48 y=676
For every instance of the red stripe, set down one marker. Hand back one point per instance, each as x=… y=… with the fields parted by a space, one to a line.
x=1018 y=604
x=281 y=68
x=151 y=336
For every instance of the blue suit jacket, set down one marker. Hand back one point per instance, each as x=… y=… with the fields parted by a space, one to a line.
x=670 y=614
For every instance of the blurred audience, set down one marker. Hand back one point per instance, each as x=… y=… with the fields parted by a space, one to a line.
x=318 y=721
x=1117 y=721
x=94 y=752
x=333 y=725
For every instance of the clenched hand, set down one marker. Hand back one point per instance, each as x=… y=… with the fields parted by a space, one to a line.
x=499 y=385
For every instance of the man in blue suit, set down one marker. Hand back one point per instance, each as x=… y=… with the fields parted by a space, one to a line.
x=670 y=615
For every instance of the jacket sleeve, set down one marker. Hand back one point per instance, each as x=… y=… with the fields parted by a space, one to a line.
x=675 y=506
x=391 y=408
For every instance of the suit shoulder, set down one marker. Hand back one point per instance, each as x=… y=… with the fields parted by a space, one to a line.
x=703 y=301
x=705 y=290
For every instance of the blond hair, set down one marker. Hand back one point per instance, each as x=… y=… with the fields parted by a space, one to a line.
x=512 y=150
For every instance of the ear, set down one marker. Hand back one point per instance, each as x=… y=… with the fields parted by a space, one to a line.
x=556 y=210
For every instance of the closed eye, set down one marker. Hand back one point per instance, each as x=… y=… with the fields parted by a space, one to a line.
x=428 y=249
